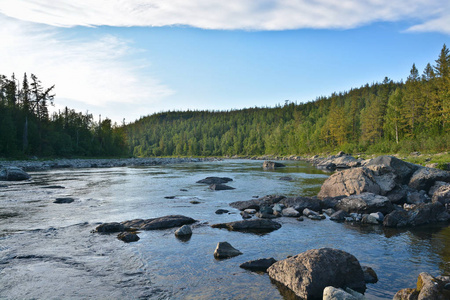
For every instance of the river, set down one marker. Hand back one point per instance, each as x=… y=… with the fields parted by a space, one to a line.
x=47 y=250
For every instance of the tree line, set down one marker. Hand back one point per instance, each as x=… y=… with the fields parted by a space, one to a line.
x=28 y=129
x=384 y=117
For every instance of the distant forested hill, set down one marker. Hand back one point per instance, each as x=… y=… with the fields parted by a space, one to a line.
x=381 y=117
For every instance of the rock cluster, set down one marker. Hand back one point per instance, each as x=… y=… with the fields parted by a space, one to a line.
x=13 y=174
x=428 y=287
x=406 y=194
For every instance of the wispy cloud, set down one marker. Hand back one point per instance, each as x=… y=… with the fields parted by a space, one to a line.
x=94 y=73
x=427 y=15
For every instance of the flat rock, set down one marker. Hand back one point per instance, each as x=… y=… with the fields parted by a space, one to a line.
x=63 y=200
x=309 y=273
x=290 y=212
x=215 y=180
x=300 y=203
x=159 y=223
x=259 y=225
x=258 y=265
x=258 y=202
x=225 y=250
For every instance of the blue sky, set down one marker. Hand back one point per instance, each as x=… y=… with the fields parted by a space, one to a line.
x=126 y=59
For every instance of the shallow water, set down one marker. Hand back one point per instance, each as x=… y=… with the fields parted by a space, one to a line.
x=47 y=250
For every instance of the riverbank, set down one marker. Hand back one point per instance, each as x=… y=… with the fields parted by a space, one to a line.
x=39 y=165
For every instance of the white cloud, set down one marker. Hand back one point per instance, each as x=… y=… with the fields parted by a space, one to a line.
x=93 y=73
x=429 y=15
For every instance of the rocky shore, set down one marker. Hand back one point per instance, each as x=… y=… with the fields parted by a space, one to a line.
x=37 y=165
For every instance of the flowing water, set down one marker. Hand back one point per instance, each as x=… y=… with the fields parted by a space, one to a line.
x=47 y=250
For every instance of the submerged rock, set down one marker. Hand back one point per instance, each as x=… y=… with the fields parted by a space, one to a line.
x=225 y=250
x=63 y=200
x=309 y=273
x=220 y=187
x=260 y=265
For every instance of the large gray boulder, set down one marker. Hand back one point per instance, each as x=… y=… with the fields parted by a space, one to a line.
x=13 y=174
x=264 y=225
x=365 y=203
x=349 y=182
x=402 y=169
x=425 y=178
x=159 y=223
x=309 y=273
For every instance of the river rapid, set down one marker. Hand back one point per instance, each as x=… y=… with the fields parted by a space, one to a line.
x=48 y=250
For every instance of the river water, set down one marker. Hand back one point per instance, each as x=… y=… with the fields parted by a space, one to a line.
x=47 y=250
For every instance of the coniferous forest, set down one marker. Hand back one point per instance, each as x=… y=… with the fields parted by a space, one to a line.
x=27 y=128
x=383 y=117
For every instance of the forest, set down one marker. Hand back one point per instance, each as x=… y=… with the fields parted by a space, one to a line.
x=27 y=129
x=382 y=117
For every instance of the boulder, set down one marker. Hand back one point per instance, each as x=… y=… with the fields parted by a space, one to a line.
x=259 y=265
x=286 y=178
x=270 y=165
x=110 y=227
x=417 y=197
x=397 y=218
x=128 y=237
x=159 y=223
x=332 y=293
x=402 y=169
x=290 y=212
x=425 y=178
x=369 y=219
x=263 y=225
x=309 y=273
x=442 y=195
x=427 y=213
x=346 y=161
x=300 y=203
x=427 y=288
x=369 y=275
x=220 y=187
x=340 y=215
x=183 y=231
x=349 y=182
x=258 y=202
x=385 y=177
x=215 y=180
x=13 y=174
x=225 y=250
x=308 y=212
x=221 y=211
x=365 y=203
x=436 y=186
